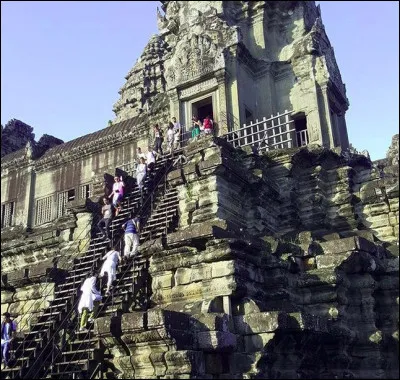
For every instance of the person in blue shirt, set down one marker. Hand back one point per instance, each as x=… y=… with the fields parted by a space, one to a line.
x=8 y=329
x=132 y=229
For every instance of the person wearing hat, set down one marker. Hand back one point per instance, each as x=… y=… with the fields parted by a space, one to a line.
x=8 y=329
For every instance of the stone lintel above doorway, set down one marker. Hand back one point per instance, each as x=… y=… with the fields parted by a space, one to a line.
x=198 y=89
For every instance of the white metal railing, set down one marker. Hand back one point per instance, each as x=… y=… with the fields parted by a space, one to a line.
x=277 y=132
x=302 y=138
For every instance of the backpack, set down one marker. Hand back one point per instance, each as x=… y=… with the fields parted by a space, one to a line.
x=135 y=225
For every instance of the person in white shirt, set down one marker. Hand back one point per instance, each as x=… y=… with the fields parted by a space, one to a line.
x=150 y=159
x=177 y=132
x=141 y=171
x=140 y=155
x=117 y=194
x=112 y=258
x=88 y=301
x=170 y=138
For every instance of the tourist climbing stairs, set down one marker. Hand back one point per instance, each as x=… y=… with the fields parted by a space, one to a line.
x=54 y=347
x=83 y=356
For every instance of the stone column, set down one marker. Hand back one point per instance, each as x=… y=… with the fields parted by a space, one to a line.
x=221 y=76
x=174 y=104
x=30 y=197
x=326 y=121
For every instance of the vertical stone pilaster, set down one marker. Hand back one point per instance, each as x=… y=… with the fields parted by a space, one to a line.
x=30 y=198
x=221 y=76
x=174 y=104
x=326 y=121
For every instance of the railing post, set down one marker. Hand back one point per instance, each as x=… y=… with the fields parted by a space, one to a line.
x=287 y=126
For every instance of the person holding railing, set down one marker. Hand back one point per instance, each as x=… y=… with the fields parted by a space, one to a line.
x=112 y=258
x=158 y=139
x=131 y=237
x=89 y=301
x=141 y=170
x=8 y=329
x=177 y=132
x=170 y=138
x=106 y=220
x=150 y=159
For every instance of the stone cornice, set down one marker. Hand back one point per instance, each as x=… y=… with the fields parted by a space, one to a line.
x=89 y=148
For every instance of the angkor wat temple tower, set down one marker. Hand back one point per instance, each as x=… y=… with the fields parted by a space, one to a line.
x=240 y=61
x=267 y=249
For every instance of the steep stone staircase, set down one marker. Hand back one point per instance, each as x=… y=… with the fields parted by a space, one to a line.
x=54 y=348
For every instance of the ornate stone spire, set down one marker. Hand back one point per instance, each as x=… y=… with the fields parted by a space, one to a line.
x=143 y=82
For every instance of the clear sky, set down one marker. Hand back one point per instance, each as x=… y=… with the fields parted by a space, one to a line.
x=63 y=63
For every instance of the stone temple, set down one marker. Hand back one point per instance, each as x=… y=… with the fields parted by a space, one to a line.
x=268 y=249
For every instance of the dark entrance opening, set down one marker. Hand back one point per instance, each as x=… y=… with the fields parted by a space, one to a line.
x=203 y=108
x=300 y=124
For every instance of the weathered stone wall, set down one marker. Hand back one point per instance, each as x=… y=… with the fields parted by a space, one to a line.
x=290 y=305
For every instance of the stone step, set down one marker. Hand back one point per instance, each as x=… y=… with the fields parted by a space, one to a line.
x=165 y=208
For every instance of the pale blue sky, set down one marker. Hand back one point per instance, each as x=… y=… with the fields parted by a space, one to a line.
x=62 y=63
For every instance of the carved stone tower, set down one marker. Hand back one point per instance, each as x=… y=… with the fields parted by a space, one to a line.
x=240 y=61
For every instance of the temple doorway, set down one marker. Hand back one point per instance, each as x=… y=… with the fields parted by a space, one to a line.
x=203 y=108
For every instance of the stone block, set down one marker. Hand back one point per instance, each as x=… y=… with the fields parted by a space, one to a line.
x=257 y=342
x=222 y=268
x=331 y=261
x=339 y=246
x=4 y=307
x=241 y=363
x=6 y=296
x=155 y=317
x=185 y=361
x=192 y=291
x=265 y=322
x=124 y=365
x=163 y=280
x=183 y=276
x=29 y=306
x=200 y=272
x=216 y=341
x=132 y=321
x=211 y=321
x=213 y=363
x=17 y=277
x=212 y=228
x=102 y=326
x=158 y=362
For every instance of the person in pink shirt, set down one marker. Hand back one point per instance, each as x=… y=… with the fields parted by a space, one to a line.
x=117 y=194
